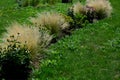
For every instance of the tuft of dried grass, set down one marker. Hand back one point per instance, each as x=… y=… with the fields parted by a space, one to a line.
x=78 y=8
x=51 y=21
x=102 y=6
x=30 y=36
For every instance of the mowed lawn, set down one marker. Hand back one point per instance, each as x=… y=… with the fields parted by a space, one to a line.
x=90 y=53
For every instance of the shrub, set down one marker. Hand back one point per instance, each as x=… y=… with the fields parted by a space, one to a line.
x=76 y=12
x=53 y=22
x=35 y=40
x=80 y=20
x=15 y=61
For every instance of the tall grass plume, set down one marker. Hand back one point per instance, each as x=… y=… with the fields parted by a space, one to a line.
x=51 y=21
x=34 y=39
x=78 y=8
x=103 y=6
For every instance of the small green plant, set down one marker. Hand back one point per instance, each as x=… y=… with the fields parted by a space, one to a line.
x=15 y=61
x=47 y=66
x=80 y=20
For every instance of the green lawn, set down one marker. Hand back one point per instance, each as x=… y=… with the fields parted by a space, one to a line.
x=90 y=53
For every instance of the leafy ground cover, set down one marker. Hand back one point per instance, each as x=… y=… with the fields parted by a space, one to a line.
x=90 y=53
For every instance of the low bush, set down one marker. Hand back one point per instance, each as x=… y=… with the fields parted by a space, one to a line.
x=77 y=14
x=15 y=61
x=80 y=21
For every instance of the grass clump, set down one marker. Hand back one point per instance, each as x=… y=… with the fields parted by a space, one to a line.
x=50 y=21
x=78 y=8
x=93 y=9
x=15 y=61
x=102 y=8
x=34 y=40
